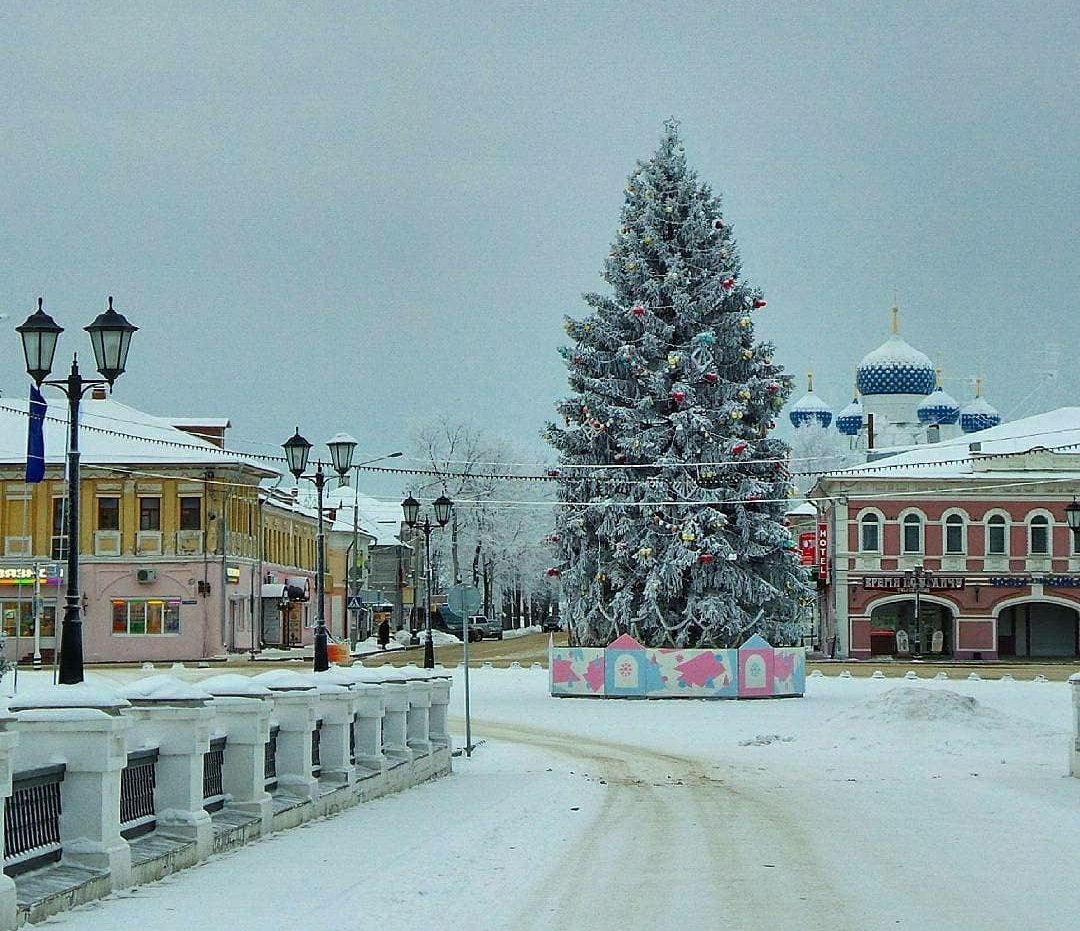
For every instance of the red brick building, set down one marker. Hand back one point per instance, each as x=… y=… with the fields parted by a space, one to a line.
x=959 y=548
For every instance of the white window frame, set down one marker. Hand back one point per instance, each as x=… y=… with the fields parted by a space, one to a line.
x=921 y=518
x=878 y=522
x=945 y=525
x=1005 y=533
x=1046 y=520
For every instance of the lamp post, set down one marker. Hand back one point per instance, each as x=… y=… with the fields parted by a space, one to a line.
x=919 y=578
x=442 y=506
x=353 y=576
x=297 y=449
x=1072 y=518
x=110 y=337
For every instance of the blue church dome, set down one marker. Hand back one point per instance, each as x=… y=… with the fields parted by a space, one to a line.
x=978 y=415
x=850 y=420
x=895 y=367
x=938 y=407
x=810 y=408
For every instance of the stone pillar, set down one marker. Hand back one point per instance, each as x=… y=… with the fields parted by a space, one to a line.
x=367 y=725
x=182 y=736
x=296 y=712
x=438 y=726
x=91 y=742
x=416 y=718
x=336 y=710
x=394 y=730
x=1074 y=762
x=9 y=737
x=246 y=721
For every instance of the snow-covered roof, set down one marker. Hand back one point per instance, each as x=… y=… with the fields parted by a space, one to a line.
x=1057 y=430
x=113 y=433
x=217 y=423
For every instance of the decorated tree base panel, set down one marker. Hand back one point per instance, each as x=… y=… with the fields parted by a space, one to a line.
x=626 y=669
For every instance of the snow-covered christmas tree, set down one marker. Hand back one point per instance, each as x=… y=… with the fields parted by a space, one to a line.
x=671 y=490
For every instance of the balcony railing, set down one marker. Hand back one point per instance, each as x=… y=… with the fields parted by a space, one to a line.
x=213 y=759
x=137 y=782
x=32 y=819
x=270 y=766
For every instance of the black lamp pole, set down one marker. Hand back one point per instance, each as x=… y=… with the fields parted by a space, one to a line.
x=110 y=337
x=443 y=507
x=342 y=446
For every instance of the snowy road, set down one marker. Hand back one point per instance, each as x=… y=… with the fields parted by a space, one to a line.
x=663 y=810
x=937 y=806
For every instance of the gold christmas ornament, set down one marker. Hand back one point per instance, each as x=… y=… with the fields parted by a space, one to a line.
x=747 y=354
x=744 y=394
x=688 y=536
x=647 y=240
x=669 y=209
x=744 y=322
x=630 y=266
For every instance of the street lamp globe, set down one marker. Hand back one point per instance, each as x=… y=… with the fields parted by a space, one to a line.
x=110 y=335
x=39 y=334
x=411 y=508
x=1072 y=518
x=297 y=450
x=443 y=506
x=341 y=446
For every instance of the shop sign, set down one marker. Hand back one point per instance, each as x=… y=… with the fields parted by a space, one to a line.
x=807 y=548
x=823 y=551
x=52 y=574
x=1023 y=581
x=905 y=583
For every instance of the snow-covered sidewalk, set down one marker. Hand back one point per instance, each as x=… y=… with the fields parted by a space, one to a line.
x=868 y=804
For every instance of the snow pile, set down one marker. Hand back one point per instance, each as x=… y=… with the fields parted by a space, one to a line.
x=924 y=705
x=763 y=740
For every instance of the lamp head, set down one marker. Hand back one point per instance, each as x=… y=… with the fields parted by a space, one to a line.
x=297 y=450
x=110 y=335
x=39 y=334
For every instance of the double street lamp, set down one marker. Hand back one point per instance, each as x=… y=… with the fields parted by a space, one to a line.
x=297 y=449
x=110 y=337
x=443 y=507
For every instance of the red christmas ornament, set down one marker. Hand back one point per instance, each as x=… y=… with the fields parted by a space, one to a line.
x=738 y=449
x=759 y=303
x=552 y=573
x=712 y=378
x=727 y=283
x=620 y=457
x=678 y=396
x=718 y=223
x=553 y=473
x=637 y=310
x=772 y=387
x=705 y=558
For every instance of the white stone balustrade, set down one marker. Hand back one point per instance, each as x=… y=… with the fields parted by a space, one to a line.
x=296 y=712
x=242 y=708
x=174 y=717
x=9 y=738
x=438 y=724
x=81 y=726
x=367 y=715
x=1074 y=756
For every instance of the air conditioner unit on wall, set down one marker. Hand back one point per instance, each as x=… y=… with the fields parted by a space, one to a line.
x=146 y=575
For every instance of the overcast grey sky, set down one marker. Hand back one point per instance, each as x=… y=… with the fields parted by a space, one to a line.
x=355 y=216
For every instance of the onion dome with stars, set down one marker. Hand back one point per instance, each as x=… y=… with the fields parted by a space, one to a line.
x=938 y=407
x=895 y=367
x=850 y=420
x=810 y=408
x=977 y=414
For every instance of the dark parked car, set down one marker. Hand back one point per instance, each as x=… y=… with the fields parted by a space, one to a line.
x=551 y=625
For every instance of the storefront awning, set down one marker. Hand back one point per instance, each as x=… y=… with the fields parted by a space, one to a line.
x=275 y=590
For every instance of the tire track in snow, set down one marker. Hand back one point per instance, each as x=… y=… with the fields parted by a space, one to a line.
x=671 y=846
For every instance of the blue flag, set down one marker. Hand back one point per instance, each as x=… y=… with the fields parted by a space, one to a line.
x=35 y=438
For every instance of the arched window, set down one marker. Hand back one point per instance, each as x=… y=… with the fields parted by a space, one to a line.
x=1039 y=535
x=912 y=537
x=954 y=534
x=870 y=533
x=995 y=536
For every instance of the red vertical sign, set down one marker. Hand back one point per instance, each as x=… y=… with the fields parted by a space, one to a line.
x=823 y=551
x=808 y=548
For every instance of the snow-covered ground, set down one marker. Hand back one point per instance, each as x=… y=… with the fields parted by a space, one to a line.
x=869 y=804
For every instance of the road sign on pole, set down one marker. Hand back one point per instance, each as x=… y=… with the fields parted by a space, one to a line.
x=355 y=603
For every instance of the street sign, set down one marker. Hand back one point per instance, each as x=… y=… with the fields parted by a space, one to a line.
x=463 y=600
x=355 y=603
